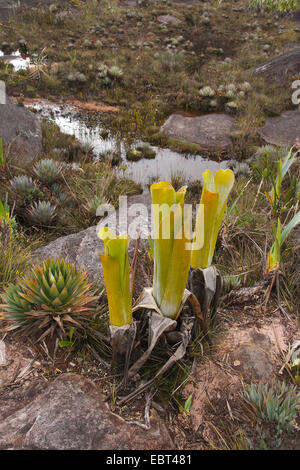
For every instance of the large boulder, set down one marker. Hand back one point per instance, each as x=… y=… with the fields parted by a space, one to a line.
x=21 y=132
x=211 y=131
x=70 y=414
x=283 y=130
x=82 y=249
x=280 y=68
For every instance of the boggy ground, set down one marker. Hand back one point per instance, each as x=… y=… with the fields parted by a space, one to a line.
x=251 y=339
x=163 y=66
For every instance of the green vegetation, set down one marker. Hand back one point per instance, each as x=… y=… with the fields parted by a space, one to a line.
x=53 y=296
x=138 y=70
x=283 y=5
x=276 y=407
x=276 y=403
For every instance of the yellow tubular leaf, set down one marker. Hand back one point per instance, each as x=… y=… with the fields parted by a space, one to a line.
x=215 y=195
x=179 y=266
x=171 y=259
x=180 y=195
x=106 y=234
x=208 y=181
x=119 y=302
x=200 y=258
x=162 y=193
x=118 y=249
x=224 y=181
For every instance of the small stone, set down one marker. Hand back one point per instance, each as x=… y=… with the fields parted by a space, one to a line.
x=168 y=19
x=2 y=353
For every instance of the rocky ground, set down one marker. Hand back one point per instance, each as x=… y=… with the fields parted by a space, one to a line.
x=177 y=75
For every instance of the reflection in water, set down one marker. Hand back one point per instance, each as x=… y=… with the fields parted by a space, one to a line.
x=16 y=59
x=164 y=166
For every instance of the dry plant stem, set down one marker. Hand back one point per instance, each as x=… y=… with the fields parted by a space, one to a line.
x=131 y=340
x=96 y=356
x=147 y=425
x=279 y=299
x=175 y=357
x=193 y=301
x=257 y=194
x=275 y=279
x=268 y=293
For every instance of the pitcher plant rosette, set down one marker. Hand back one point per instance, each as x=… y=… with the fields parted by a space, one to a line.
x=161 y=305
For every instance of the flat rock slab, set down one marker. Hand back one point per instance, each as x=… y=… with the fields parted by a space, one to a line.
x=168 y=19
x=211 y=131
x=252 y=357
x=70 y=414
x=83 y=248
x=283 y=130
x=294 y=15
x=20 y=129
x=280 y=68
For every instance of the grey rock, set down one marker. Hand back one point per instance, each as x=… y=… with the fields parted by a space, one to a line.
x=295 y=15
x=281 y=67
x=83 y=248
x=70 y=414
x=2 y=353
x=20 y=129
x=210 y=131
x=168 y=19
x=253 y=357
x=283 y=130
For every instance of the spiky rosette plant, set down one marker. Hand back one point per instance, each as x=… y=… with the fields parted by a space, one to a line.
x=51 y=298
x=115 y=72
x=42 y=213
x=48 y=170
x=22 y=185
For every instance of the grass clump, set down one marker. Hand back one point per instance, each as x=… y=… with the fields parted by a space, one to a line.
x=271 y=5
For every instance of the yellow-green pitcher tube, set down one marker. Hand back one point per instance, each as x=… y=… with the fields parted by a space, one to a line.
x=115 y=266
x=214 y=198
x=171 y=253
